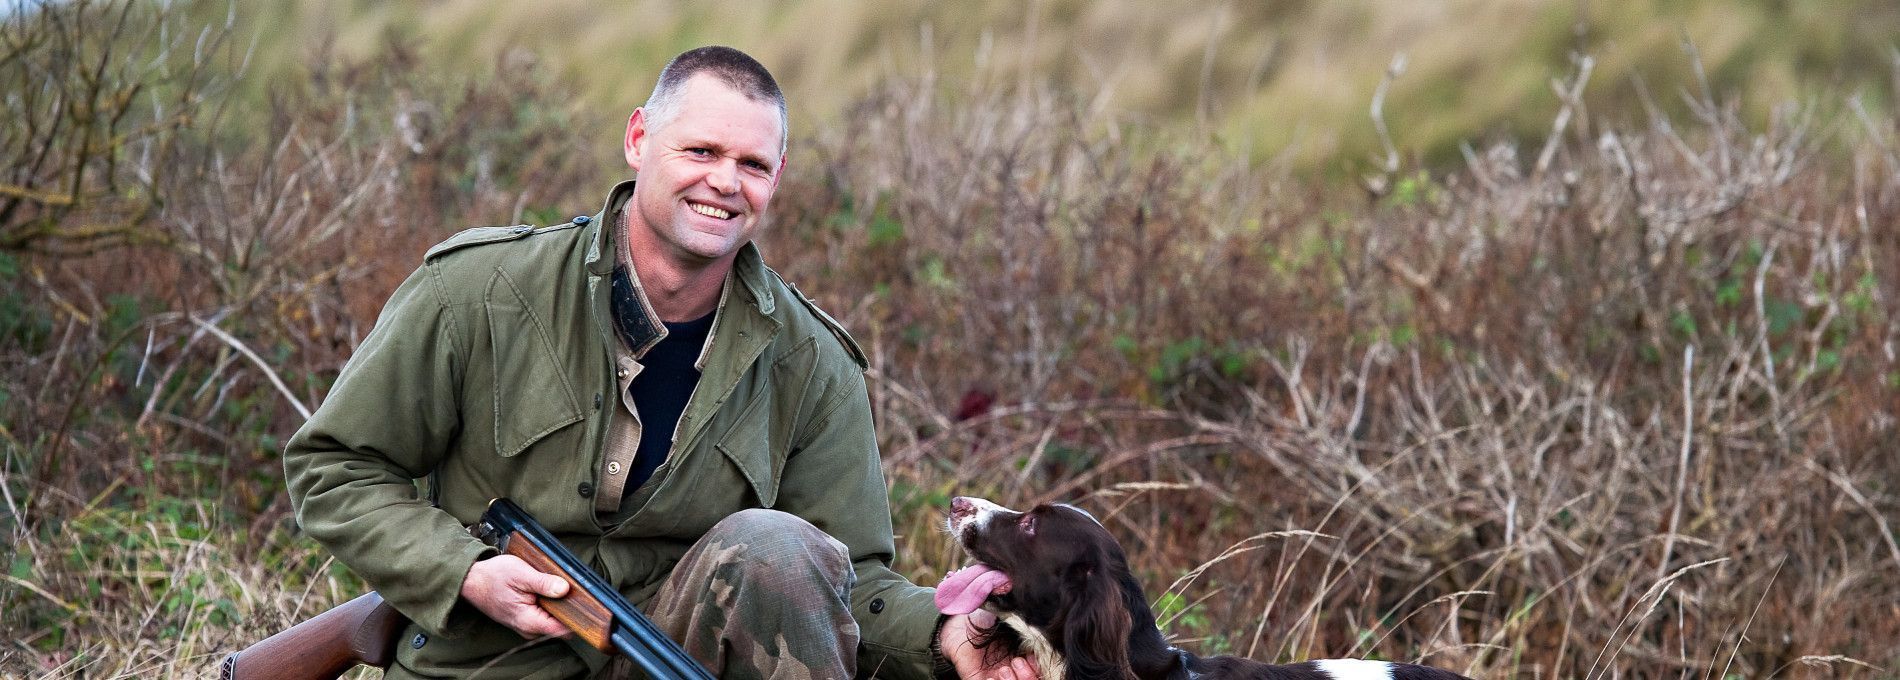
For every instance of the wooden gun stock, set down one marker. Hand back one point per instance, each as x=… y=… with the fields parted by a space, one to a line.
x=359 y=632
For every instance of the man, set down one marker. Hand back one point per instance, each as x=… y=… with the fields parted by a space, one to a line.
x=640 y=382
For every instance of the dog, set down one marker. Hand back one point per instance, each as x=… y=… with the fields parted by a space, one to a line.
x=1059 y=585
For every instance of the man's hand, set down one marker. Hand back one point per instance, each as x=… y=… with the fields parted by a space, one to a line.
x=504 y=588
x=956 y=641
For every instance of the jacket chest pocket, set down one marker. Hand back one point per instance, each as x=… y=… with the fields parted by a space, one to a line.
x=533 y=396
x=761 y=436
x=748 y=446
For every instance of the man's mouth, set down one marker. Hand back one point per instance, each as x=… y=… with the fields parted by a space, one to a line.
x=709 y=211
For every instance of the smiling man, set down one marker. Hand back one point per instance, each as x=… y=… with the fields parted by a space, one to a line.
x=639 y=381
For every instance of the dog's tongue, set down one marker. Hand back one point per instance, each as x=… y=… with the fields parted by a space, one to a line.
x=963 y=591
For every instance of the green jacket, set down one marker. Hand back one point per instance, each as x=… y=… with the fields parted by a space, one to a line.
x=491 y=367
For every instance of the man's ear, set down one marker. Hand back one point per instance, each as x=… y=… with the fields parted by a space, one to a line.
x=636 y=135
x=780 y=173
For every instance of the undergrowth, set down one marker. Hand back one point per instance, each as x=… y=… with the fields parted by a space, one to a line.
x=1618 y=405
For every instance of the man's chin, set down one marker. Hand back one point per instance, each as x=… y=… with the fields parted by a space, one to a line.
x=708 y=249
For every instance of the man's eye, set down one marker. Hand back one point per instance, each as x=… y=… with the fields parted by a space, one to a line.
x=699 y=151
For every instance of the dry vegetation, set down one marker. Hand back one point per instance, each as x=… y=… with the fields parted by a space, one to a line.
x=1617 y=406
x=1282 y=78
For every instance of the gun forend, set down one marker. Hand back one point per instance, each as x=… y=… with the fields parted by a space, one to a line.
x=581 y=611
x=593 y=608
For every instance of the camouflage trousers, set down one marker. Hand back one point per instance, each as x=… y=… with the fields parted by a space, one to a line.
x=763 y=595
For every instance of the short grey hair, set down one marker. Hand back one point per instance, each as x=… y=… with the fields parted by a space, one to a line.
x=736 y=69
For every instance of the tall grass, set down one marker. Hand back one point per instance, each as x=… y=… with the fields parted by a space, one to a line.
x=1622 y=408
x=1286 y=79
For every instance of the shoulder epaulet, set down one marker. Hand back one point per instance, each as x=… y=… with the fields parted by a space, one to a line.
x=486 y=235
x=478 y=236
x=850 y=345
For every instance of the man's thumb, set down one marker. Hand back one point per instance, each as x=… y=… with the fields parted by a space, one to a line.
x=552 y=586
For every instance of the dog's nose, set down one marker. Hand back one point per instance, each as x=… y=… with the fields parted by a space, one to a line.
x=961 y=507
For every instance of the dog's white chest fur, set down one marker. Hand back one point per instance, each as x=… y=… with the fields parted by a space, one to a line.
x=1049 y=664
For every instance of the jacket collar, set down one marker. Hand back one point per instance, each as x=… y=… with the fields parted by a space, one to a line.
x=633 y=317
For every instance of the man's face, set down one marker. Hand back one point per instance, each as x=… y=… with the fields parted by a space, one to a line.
x=706 y=174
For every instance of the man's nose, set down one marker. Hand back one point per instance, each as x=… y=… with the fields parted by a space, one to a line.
x=724 y=177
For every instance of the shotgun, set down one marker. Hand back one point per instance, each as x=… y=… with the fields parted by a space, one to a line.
x=363 y=631
x=593 y=609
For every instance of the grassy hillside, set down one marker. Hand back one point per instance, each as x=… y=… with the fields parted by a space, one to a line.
x=1284 y=79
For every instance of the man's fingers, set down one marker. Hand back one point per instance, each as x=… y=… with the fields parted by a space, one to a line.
x=970 y=661
x=505 y=588
x=523 y=577
x=532 y=622
x=552 y=586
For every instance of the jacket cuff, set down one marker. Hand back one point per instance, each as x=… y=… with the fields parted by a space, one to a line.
x=940 y=664
x=899 y=627
x=431 y=600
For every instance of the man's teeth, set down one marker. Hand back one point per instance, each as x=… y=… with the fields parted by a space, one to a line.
x=710 y=211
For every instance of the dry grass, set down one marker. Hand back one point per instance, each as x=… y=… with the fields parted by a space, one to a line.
x=1622 y=408
x=1287 y=79
x=1627 y=415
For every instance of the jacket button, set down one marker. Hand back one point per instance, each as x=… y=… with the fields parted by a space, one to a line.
x=613 y=467
x=419 y=641
x=586 y=490
x=597 y=401
x=877 y=606
x=582 y=220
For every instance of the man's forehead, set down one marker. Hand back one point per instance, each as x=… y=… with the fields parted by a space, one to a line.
x=703 y=92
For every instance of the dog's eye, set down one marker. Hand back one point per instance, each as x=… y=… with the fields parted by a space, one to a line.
x=1028 y=524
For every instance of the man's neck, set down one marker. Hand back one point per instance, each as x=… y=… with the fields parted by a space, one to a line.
x=677 y=291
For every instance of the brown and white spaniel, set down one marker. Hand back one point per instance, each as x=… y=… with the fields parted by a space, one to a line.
x=1060 y=585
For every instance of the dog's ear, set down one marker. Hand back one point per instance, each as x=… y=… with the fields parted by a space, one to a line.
x=1095 y=632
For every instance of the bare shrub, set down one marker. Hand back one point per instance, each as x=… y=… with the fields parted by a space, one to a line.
x=150 y=374
x=1624 y=410
x=100 y=96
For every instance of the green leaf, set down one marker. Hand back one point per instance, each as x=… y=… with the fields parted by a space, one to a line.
x=1682 y=323
x=1782 y=315
x=885 y=230
x=936 y=275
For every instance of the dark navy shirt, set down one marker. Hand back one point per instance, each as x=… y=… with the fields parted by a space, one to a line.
x=666 y=380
